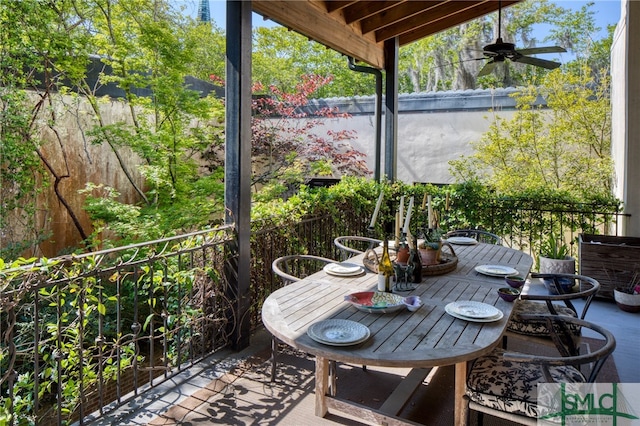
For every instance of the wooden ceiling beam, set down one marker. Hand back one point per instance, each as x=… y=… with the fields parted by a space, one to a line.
x=453 y=20
x=335 y=5
x=398 y=15
x=359 y=28
x=367 y=9
x=314 y=22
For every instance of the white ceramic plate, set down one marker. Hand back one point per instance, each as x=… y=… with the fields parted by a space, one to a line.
x=343 y=269
x=376 y=302
x=464 y=241
x=497 y=317
x=496 y=270
x=473 y=309
x=338 y=332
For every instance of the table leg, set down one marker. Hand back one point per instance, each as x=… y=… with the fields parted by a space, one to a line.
x=460 y=408
x=322 y=385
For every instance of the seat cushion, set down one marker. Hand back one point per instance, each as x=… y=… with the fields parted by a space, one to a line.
x=536 y=328
x=512 y=386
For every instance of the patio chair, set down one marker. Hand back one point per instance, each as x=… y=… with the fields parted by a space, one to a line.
x=478 y=234
x=504 y=384
x=351 y=245
x=290 y=269
x=551 y=304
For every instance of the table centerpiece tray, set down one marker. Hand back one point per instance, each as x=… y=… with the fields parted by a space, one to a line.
x=448 y=262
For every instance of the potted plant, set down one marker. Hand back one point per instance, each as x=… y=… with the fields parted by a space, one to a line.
x=554 y=259
x=627 y=296
x=430 y=248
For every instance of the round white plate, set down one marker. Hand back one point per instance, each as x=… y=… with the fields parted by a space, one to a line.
x=496 y=270
x=473 y=309
x=462 y=317
x=343 y=269
x=338 y=332
x=464 y=241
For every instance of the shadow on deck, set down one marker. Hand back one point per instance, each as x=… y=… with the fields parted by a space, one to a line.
x=235 y=388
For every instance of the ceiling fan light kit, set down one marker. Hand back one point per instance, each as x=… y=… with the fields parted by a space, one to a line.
x=499 y=51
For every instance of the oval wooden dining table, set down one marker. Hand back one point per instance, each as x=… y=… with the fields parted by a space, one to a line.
x=427 y=337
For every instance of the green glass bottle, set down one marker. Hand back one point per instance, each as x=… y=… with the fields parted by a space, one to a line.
x=385 y=269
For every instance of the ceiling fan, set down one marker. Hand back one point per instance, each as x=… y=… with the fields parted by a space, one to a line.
x=499 y=51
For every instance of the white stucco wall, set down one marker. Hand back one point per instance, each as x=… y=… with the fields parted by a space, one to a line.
x=433 y=129
x=427 y=142
x=625 y=100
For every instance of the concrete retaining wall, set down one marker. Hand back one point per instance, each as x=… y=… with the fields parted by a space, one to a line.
x=433 y=128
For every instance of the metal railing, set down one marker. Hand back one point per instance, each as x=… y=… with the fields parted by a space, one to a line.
x=84 y=334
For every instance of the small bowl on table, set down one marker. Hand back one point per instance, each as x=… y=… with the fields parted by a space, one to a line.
x=515 y=281
x=508 y=293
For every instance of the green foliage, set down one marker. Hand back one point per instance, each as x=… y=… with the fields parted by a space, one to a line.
x=68 y=314
x=565 y=147
x=86 y=320
x=149 y=47
x=553 y=247
x=281 y=56
x=432 y=239
x=22 y=176
x=522 y=218
x=209 y=50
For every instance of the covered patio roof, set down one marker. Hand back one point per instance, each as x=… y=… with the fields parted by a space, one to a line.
x=359 y=28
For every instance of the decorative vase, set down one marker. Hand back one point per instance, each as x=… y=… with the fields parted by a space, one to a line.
x=430 y=256
x=626 y=301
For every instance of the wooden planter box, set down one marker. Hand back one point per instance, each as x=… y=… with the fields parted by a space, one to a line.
x=610 y=260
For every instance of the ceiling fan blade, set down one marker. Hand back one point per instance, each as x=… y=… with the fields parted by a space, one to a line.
x=488 y=67
x=537 y=62
x=548 y=49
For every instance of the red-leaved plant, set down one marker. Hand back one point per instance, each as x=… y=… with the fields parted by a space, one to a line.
x=288 y=141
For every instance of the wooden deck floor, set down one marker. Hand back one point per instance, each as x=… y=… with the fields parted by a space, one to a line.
x=234 y=389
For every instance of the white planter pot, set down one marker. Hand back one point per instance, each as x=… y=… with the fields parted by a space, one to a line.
x=627 y=302
x=557 y=266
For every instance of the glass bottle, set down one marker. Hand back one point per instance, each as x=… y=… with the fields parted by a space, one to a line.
x=385 y=269
x=415 y=262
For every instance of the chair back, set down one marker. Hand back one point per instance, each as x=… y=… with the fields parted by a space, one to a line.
x=350 y=245
x=295 y=267
x=478 y=234
x=558 y=327
x=586 y=289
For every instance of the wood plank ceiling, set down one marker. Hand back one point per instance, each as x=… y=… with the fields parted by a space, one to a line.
x=359 y=28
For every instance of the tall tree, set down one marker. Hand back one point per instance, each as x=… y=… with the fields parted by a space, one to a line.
x=452 y=59
x=565 y=147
